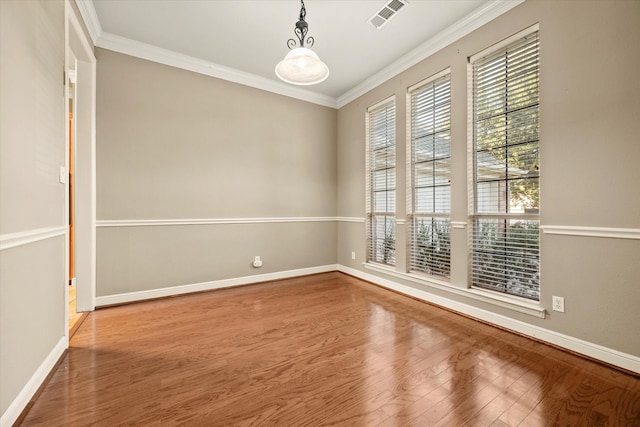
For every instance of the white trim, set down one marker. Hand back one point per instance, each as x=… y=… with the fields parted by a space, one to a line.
x=22 y=399
x=455 y=32
x=509 y=302
x=458 y=224
x=208 y=286
x=408 y=158
x=466 y=25
x=350 y=219
x=11 y=240
x=207 y=221
x=614 y=233
x=84 y=123
x=428 y=80
x=69 y=93
x=503 y=43
x=412 y=92
x=596 y=351
x=73 y=78
x=167 y=57
x=388 y=99
x=90 y=18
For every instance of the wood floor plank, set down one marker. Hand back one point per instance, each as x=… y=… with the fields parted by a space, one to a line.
x=322 y=350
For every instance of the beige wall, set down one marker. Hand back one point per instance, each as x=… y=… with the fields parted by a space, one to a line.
x=32 y=148
x=590 y=100
x=32 y=104
x=32 y=288
x=148 y=258
x=177 y=145
x=172 y=144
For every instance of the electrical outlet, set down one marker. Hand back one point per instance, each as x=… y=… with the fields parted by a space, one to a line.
x=257 y=262
x=353 y=255
x=558 y=304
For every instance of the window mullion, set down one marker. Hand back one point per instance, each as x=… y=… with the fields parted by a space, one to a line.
x=430 y=152
x=505 y=223
x=381 y=183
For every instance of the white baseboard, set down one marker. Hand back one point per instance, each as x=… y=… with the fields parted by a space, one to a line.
x=22 y=399
x=208 y=286
x=595 y=351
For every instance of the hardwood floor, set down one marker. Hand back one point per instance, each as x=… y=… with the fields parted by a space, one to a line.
x=327 y=349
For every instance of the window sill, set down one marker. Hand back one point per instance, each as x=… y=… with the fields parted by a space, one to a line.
x=517 y=304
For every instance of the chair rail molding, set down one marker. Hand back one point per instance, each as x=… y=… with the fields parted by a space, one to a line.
x=12 y=240
x=607 y=232
x=208 y=221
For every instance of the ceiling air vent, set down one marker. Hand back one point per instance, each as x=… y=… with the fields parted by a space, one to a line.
x=387 y=12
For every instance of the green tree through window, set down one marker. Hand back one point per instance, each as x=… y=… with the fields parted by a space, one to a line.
x=507 y=169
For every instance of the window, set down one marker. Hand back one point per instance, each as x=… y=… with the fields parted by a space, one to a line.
x=506 y=169
x=381 y=183
x=429 y=196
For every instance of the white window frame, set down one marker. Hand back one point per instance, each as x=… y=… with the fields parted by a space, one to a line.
x=473 y=214
x=388 y=249
x=443 y=287
x=439 y=265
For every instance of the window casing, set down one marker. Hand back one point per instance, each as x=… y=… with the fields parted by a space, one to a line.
x=506 y=170
x=429 y=176
x=381 y=183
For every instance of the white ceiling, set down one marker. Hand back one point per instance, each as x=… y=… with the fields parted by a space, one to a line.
x=243 y=40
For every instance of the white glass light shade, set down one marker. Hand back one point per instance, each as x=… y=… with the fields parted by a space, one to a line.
x=302 y=66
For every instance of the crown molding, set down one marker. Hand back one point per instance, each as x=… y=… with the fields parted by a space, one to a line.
x=137 y=49
x=466 y=25
x=90 y=18
x=167 y=57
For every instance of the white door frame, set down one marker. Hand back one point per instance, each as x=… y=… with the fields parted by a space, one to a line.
x=78 y=46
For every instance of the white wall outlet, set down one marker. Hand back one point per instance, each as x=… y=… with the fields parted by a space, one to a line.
x=558 y=304
x=353 y=255
x=62 y=177
x=257 y=262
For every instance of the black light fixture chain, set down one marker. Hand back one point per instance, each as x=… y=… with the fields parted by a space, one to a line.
x=303 y=11
x=301 y=30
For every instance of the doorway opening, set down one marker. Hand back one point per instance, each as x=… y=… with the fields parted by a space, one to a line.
x=80 y=206
x=74 y=316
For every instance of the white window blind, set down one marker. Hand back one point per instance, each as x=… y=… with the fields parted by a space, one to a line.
x=505 y=238
x=429 y=196
x=381 y=183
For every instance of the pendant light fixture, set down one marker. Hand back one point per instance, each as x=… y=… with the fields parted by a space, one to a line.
x=302 y=66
